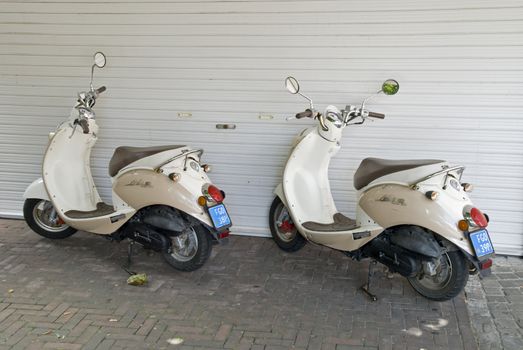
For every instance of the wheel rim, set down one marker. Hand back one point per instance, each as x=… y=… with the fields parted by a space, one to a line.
x=46 y=217
x=442 y=277
x=283 y=224
x=185 y=246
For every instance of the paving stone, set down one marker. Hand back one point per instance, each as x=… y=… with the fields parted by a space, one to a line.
x=250 y=295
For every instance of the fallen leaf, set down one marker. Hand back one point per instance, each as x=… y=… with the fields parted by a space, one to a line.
x=46 y=332
x=113 y=320
x=175 y=341
x=59 y=336
x=11 y=290
x=66 y=313
x=137 y=280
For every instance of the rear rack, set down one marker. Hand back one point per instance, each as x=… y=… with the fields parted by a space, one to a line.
x=414 y=185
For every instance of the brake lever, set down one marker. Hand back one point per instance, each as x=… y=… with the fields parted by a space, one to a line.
x=290 y=118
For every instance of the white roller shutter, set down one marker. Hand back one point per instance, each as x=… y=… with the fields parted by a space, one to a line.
x=459 y=63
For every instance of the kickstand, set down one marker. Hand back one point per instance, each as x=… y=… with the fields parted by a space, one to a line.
x=127 y=266
x=366 y=287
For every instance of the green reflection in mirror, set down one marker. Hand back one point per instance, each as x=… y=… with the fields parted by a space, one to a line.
x=390 y=87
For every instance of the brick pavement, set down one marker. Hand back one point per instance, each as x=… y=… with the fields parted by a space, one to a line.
x=496 y=306
x=71 y=294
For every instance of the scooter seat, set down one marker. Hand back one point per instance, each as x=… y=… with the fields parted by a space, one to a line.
x=372 y=168
x=125 y=155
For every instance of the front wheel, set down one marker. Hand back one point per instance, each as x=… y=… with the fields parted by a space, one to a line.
x=190 y=250
x=283 y=231
x=42 y=218
x=451 y=276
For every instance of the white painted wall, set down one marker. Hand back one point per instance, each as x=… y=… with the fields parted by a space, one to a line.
x=460 y=65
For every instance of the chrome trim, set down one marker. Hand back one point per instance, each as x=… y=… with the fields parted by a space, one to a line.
x=414 y=185
x=184 y=154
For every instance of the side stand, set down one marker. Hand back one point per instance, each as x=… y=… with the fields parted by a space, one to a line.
x=366 y=287
x=127 y=266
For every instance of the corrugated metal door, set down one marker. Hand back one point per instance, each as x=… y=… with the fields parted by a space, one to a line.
x=176 y=69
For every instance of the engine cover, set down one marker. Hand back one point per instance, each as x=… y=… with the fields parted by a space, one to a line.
x=394 y=257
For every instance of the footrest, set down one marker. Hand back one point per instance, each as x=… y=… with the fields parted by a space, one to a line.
x=101 y=210
x=340 y=223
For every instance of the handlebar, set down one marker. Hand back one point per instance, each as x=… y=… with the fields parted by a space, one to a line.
x=305 y=114
x=100 y=90
x=376 y=115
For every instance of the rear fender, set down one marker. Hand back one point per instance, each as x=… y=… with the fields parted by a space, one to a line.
x=36 y=190
x=141 y=188
x=395 y=205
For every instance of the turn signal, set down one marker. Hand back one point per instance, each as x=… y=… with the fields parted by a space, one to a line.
x=467 y=187
x=223 y=234
x=433 y=195
x=175 y=177
x=202 y=201
x=207 y=168
x=463 y=225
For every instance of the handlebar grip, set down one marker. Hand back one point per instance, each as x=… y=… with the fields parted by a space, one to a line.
x=100 y=89
x=305 y=114
x=376 y=115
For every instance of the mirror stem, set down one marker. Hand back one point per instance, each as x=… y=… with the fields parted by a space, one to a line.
x=308 y=99
x=369 y=98
x=91 y=83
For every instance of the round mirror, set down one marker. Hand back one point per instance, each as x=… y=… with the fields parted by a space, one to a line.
x=99 y=60
x=291 y=84
x=390 y=87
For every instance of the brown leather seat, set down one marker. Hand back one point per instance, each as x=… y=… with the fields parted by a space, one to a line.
x=125 y=155
x=372 y=168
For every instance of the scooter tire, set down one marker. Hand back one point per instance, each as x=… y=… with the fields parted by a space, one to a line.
x=296 y=243
x=455 y=284
x=29 y=216
x=202 y=253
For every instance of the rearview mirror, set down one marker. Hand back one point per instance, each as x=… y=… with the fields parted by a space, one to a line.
x=99 y=60
x=292 y=85
x=390 y=87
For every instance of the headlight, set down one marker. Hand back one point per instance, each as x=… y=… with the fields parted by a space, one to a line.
x=333 y=115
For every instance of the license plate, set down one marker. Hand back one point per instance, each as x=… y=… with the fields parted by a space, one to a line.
x=219 y=216
x=481 y=243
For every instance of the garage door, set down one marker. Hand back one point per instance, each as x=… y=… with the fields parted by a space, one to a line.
x=177 y=69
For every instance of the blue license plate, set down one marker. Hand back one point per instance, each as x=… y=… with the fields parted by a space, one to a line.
x=219 y=216
x=481 y=243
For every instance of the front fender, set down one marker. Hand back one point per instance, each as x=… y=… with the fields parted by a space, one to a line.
x=36 y=190
x=278 y=191
x=392 y=205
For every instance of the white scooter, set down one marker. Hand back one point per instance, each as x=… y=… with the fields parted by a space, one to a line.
x=162 y=196
x=413 y=216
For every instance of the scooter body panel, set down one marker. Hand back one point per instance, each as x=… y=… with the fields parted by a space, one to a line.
x=142 y=187
x=395 y=204
x=307 y=195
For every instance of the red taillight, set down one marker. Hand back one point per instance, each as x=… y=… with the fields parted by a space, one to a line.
x=223 y=234
x=478 y=217
x=487 y=264
x=216 y=194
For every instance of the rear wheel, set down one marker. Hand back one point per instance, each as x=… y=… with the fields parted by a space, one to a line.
x=190 y=250
x=42 y=218
x=283 y=231
x=451 y=276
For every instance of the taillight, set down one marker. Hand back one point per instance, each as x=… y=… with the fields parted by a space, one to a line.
x=216 y=194
x=485 y=264
x=478 y=217
x=223 y=234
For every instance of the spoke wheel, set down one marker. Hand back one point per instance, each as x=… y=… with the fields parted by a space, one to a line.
x=283 y=230
x=451 y=276
x=41 y=216
x=190 y=250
